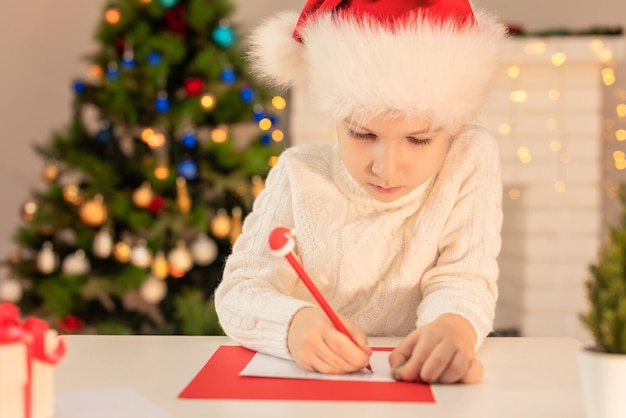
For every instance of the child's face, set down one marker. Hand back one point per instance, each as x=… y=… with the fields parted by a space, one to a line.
x=391 y=156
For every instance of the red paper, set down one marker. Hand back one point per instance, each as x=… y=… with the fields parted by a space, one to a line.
x=219 y=379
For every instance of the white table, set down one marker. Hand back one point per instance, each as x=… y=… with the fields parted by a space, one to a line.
x=524 y=377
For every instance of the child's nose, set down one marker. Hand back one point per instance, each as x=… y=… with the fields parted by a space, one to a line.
x=386 y=161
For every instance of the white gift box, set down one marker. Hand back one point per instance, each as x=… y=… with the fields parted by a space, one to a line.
x=13 y=378
x=29 y=352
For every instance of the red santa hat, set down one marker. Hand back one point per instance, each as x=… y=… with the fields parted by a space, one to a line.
x=359 y=58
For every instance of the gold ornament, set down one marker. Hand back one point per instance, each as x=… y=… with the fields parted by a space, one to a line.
x=183 y=199
x=221 y=224
x=141 y=256
x=257 y=185
x=71 y=194
x=235 y=229
x=46 y=259
x=94 y=212
x=50 y=171
x=143 y=195
x=180 y=258
x=29 y=209
x=121 y=252
x=160 y=267
x=76 y=263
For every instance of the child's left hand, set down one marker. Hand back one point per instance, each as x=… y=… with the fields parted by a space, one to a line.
x=441 y=351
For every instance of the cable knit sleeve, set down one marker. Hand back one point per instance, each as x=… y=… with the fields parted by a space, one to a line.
x=464 y=277
x=251 y=300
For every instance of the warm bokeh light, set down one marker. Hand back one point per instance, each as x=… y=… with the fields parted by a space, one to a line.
x=559 y=186
x=265 y=124
x=219 y=135
x=207 y=101
x=273 y=160
x=523 y=153
x=620 y=135
x=513 y=71
x=565 y=157
x=504 y=129
x=112 y=16
x=558 y=59
x=552 y=124
x=278 y=135
x=535 y=48
x=554 y=94
x=162 y=172
x=519 y=96
x=620 y=109
x=618 y=155
x=515 y=193
x=96 y=71
x=555 y=145
x=608 y=76
x=279 y=103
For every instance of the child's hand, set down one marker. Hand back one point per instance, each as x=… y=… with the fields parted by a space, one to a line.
x=316 y=345
x=442 y=351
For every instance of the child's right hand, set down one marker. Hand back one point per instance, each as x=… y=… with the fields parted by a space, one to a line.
x=316 y=345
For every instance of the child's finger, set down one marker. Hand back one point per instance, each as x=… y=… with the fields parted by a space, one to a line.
x=403 y=351
x=474 y=373
x=358 y=335
x=343 y=347
x=438 y=361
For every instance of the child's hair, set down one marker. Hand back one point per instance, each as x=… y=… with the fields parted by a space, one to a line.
x=357 y=59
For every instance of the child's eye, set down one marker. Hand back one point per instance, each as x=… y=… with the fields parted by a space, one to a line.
x=420 y=141
x=358 y=135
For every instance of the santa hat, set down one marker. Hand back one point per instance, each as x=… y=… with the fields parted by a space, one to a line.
x=359 y=58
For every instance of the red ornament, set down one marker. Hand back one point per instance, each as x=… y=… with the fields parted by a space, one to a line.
x=120 y=46
x=156 y=205
x=176 y=20
x=194 y=85
x=70 y=323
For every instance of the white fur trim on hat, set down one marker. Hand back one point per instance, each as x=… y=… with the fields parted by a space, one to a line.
x=358 y=69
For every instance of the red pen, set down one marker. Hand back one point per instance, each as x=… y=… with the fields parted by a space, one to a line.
x=282 y=244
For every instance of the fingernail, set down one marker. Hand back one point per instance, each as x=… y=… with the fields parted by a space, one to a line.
x=397 y=376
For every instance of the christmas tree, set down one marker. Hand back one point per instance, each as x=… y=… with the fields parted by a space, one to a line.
x=606 y=290
x=146 y=187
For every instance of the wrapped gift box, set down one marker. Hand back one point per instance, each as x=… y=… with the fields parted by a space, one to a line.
x=29 y=351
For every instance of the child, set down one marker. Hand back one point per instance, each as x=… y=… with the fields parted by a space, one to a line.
x=398 y=223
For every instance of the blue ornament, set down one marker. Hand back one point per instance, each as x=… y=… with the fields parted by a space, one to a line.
x=247 y=95
x=228 y=75
x=224 y=36
x=266 y=139
x=79 y=86
x=189 y=140
x=188 y=169
x=128 y=60
x=105 y=134
x=112 y=71
x=161 y=103
x=168 y=3
x=154 y=58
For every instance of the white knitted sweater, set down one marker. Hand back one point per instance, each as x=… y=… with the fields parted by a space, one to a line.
x=389 y=267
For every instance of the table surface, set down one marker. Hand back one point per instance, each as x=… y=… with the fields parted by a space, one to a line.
x=524 y=377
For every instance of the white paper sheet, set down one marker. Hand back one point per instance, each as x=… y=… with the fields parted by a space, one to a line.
x=122 y=402
x=263 y=365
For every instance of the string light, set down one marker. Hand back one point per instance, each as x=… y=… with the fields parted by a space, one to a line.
x=558 y=59
x=219 y=134
x=279 y=103
x=207 y=101
x=278 y=135
x=265 y=124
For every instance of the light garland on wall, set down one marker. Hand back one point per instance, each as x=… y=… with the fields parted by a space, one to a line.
x=614 y=114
